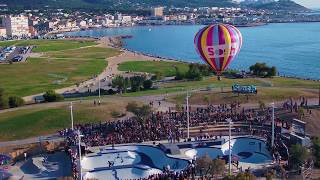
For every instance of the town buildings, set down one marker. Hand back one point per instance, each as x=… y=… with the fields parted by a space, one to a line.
x=16 y=25
x=157 y=12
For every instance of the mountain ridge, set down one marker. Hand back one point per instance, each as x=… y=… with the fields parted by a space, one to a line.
x=136 y=4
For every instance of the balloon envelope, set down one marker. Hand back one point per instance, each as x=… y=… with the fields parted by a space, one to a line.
x=218 y=45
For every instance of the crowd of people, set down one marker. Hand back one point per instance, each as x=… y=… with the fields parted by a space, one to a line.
x=164 y=125
x=169 y=126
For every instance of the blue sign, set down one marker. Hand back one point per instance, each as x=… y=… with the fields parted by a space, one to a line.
x=244 y=89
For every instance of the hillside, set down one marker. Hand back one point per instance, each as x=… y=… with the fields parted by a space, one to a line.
x=109 y=4
x=281 y=5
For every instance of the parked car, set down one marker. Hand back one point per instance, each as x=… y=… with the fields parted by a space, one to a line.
x=17 y=58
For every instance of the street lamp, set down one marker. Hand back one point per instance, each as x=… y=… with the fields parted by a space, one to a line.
x=229 y=120
x=272 y=135
x=99 y=87
x=188 y=118
x=79 y=146
x=71 y=114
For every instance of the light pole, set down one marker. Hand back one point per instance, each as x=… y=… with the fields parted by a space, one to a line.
x=71 y=114
x=272 y=135
x=188 y=118
x=99 y=84
x=79 y=146
x=229 y=120
x=319 y=96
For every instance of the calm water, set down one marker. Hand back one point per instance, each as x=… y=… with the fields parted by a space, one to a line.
x=293 y=48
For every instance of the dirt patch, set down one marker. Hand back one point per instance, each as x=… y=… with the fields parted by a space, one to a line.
x=313 y=122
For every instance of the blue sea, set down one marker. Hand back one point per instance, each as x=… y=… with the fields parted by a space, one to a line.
x=294 y=48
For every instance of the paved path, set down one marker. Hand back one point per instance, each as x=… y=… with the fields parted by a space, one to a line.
x=110 y=71
x=52 y=137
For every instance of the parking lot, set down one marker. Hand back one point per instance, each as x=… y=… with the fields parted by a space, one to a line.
x=14 y=54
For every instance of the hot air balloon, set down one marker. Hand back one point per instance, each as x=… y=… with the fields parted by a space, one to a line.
x=218 y=45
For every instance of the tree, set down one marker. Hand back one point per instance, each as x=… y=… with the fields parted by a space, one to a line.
x=179 y=107
x=300 y=113
x=270 y=175
x=245 y=176
x=51 y=96
x=119 y=83
x=203 y=165
x=126 y=84
x=147 y=84
x=272 y=71
x=316 y=151
x=179 y=74
x=262 y=105
x=157 y=76
x=136 y=83
x=194 y=72
x=261 y=69
x=15 y=101
x=3 y=99
x=218 y=167
x=206 y=99
x=140 y=112
x=298 y=155
x=204 y=69
x=241 y=176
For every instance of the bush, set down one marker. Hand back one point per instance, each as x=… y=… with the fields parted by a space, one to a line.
x=194 y=72
x=157 y=76
x=147 y=84
x=51 y=96
x=140 y=112
x=111 y=92
x=316 y=150
x=116 y=114
x=298 y=155
x=261 y=69
x=15 y=101
x=136 y=83
x=3 y=99
x=179 y=74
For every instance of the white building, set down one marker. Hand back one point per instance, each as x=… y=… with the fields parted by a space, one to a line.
x=126 y=19
x=81 y=23
x=17 y=25
x=3 y=32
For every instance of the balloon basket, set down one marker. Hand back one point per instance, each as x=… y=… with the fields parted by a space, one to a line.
x=219 y=78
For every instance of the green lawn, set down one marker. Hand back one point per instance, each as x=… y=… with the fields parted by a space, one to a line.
x=166 y=68
x=49 y=45
x=36 y=121
x=213 y=82
x=295 y=83
x=54 y=70
x=265 y=94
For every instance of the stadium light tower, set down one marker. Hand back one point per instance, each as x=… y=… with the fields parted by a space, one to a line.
x=99 y=88
x=188 y=118
x=79 y=146
x=229 y=120
x=272 y=136
x=71 y=114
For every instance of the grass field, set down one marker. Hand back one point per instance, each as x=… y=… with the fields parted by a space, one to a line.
x=264 y=94
x=295 y=83
x=49 y=45
x=54 y=70
x=164 y=67
x=36 y=121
